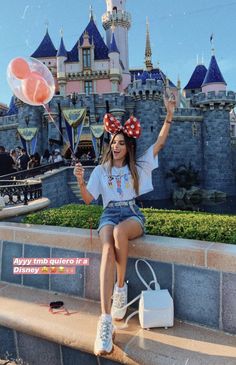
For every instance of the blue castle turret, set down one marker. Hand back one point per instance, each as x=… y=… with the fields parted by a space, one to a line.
x=213 y=80
x=194 y=86
x=46 y=48
x=216 y=104
x=61 y=67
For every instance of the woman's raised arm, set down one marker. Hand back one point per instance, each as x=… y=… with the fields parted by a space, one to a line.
x=161 y=139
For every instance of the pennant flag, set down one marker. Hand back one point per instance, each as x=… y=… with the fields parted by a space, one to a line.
x=97 y=130
x=27 y=133
x=74 y=116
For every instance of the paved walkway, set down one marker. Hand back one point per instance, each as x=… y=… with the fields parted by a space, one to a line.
x=184 y=344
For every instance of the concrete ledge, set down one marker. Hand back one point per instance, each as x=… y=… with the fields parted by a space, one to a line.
x=211 y=255
x=22 y=312
x=16 y=210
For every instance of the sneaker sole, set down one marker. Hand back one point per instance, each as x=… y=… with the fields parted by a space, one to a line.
x=103 y=352
x=118 y=319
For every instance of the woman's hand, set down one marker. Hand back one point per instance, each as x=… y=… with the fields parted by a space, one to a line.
x=170 y=104
x=79 y=173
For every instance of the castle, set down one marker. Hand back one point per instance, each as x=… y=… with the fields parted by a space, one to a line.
x=95 y=75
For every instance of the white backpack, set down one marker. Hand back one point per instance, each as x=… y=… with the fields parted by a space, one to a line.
x=156 y=308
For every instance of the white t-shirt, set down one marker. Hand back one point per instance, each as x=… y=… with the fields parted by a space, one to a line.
x=118 y=185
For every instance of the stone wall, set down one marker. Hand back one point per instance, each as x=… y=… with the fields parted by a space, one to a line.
x=200 y=276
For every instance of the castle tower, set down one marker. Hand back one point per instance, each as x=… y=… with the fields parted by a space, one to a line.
x=213 y=80
x=61 y=68
x=194 y=85
x=218 y=171
x=148 y=51
x=117 y=17
x=115 y=74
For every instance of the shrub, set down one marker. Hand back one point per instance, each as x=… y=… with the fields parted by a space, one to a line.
x=184 y=176
x=171 y=223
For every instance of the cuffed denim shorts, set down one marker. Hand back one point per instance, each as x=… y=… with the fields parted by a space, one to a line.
x=114 y=214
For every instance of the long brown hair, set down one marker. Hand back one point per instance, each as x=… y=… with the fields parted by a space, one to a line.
x=130 y=158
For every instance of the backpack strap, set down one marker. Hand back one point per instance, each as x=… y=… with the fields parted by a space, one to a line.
x=157 y=286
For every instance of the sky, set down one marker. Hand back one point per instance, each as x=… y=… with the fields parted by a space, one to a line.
x=179 y=30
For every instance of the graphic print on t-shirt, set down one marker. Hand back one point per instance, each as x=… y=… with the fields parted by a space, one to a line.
x=121 y=180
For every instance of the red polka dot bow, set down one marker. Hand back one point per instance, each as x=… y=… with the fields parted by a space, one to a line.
x=131 y=127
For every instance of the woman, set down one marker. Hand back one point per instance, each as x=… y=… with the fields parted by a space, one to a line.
x=119 y=179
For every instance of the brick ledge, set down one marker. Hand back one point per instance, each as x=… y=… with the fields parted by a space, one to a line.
x=211 y=255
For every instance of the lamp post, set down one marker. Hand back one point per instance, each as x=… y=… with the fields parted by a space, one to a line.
x=74 y=98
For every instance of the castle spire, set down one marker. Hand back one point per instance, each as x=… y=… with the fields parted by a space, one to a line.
x=91 y=12
x=212 y=44
x=148 y=51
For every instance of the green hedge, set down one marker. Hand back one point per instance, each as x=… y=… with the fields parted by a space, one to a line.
x=172 y=223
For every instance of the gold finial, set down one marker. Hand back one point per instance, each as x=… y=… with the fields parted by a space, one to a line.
x=61 y=32
x=113 y=27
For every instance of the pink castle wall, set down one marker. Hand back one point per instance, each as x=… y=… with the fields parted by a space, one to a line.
x=73 y=86
x=103 y=86
x=214 y=87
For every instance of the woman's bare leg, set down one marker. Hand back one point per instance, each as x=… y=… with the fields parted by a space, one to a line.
x=123 y=232
x=107 y=268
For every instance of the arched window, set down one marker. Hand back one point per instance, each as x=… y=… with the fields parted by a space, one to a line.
x=114 y=9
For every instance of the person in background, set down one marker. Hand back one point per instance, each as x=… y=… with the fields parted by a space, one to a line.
x=13 y=155
x=37 y=159
x=32 y=162
x=23 y=160
x=57 y=156
x=47 y=157
x=6 y=162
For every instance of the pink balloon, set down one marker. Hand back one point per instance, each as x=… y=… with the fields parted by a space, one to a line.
x=35 y=86
x=35 y=89
x=20 y=68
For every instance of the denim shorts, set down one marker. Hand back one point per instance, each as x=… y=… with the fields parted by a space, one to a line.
x=117 y=214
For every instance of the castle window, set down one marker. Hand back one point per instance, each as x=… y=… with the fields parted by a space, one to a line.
x=115 y=9
x=88 y=87
x=233 y=130
x=86 y=58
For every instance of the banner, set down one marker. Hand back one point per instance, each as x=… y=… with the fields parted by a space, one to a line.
x=34 y=143
x=95 y=147
x=74 y=116
x=23 y=143
x=97 y=130
x=27 y=133
x=79 y=132
x=70 y=134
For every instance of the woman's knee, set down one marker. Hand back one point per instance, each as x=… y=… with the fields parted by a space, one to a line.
x=119 y=234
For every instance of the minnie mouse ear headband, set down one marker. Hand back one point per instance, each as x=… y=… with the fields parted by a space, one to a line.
x=131 y=127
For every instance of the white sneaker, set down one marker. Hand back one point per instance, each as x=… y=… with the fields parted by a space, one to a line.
x=119 y=300
x=105 y=334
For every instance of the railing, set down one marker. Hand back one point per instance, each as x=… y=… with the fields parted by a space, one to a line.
x=25 y=174
x=20 y=191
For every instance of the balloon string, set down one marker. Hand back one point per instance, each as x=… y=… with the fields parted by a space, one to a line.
x=74 y=159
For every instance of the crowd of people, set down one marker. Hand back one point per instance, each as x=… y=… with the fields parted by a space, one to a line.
x=18 y=159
